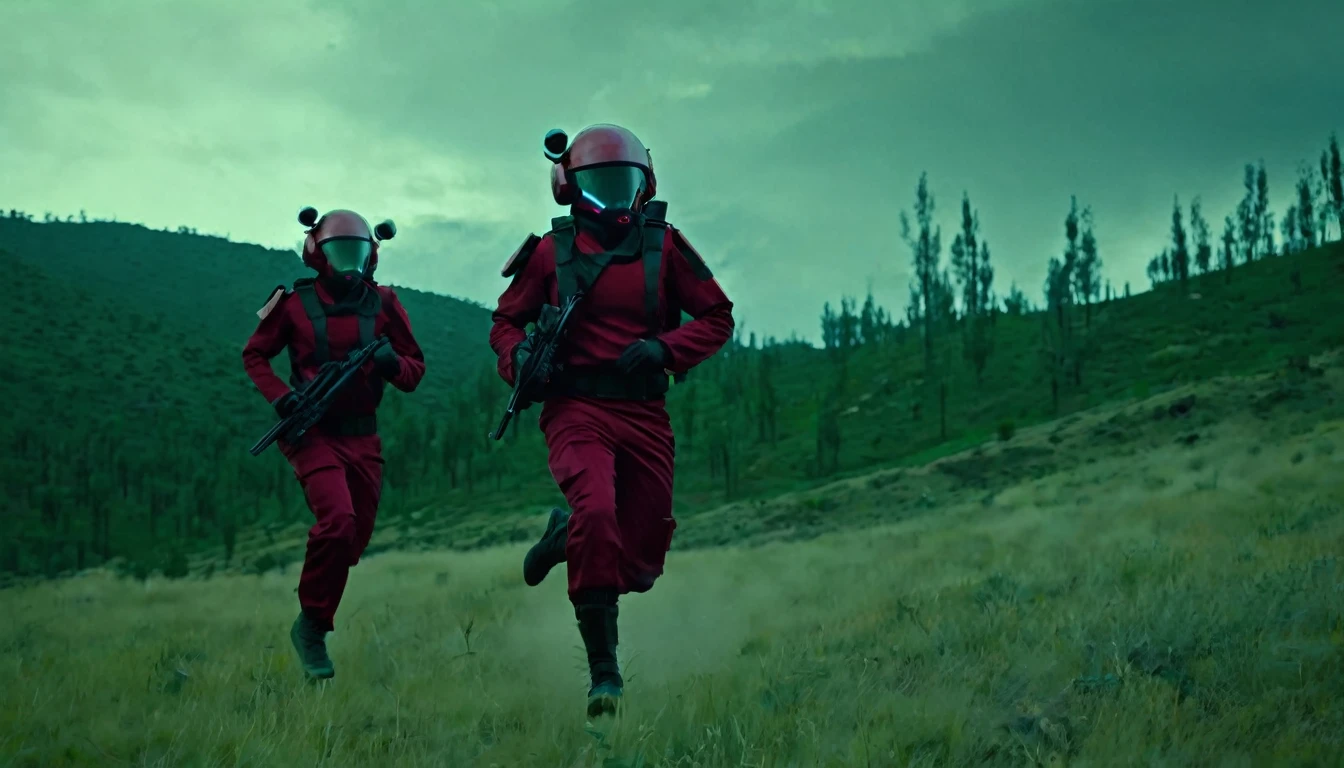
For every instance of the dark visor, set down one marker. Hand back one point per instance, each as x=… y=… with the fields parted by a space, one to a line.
x=612 y=186
x=347 y=254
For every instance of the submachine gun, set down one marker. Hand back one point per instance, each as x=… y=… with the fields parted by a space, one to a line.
x=543 y=341
x=316 y=397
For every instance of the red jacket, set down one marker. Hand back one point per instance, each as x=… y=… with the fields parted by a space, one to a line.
x=614 y=315
x=288 y=326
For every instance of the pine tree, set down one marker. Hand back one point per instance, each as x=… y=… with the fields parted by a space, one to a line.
x=1292 y=236
x=1087 y=275
x=1305 y=218
x=1154 y=270
x=1248 y=218
x=868 y=319
x=1228 y=256
x=1199 y=230
x=1070 y=264
x=847 y=337
x=987 y=301
x=1332 y=173
x=1180 y=252
x=1266 y=216
x=1055 y=325
x=965 y=252
x=925 y=248
x=830 y=328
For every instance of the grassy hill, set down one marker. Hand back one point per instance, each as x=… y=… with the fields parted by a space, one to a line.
x=133 y=414
x=213 y=286
x=1151 y=581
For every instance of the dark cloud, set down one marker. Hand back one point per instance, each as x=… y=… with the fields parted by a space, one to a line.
x=787 y=135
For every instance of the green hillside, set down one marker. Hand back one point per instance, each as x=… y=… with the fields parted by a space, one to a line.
x=214 y=286
x=133 y=415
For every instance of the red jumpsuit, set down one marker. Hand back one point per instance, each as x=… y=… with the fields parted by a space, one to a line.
x=613 y=458
x=341 y=475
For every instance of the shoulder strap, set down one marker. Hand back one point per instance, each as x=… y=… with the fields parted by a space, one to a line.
x=369 y=311
x=562 y=237
x=366 y=326
x=656 y=227
x=653 y=264
x=312 y=307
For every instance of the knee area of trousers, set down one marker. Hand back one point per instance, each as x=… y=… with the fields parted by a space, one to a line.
x=597 y=522
x=337 y=529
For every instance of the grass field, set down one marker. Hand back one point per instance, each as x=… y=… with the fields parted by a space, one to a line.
x=1153 y=582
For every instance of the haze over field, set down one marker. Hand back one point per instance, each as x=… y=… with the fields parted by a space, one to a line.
x=787 y=134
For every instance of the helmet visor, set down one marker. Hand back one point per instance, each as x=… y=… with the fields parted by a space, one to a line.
x=611 y=186
x=347 y=254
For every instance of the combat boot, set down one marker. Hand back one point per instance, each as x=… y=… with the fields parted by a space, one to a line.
x=597 y=625
x=549 y=551
x=310 y=642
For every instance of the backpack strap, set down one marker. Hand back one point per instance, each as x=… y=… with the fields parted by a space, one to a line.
x=369 y=310
x=368 y=324
x=653 y=264
x=655 y=231
x=317 y=315
x=562 y=234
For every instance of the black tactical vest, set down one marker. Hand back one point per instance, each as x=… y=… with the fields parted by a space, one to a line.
x=368 y=308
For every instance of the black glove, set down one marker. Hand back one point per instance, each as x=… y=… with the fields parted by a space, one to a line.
x=284 y=404
x=386 y=362
x=520 y=355
x=642 y=355
x=534 y=373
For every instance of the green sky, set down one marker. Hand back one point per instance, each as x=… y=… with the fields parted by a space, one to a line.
x=788 y=134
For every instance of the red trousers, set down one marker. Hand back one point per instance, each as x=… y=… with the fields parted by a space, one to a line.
x=342 y=478
x=613 y=462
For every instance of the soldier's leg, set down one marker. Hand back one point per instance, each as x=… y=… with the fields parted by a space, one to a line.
x=583 y=465
x=326 y=563
x=644 y=460
x=364 y=477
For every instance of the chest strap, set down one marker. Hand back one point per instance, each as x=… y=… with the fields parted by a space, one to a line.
x=367 y=311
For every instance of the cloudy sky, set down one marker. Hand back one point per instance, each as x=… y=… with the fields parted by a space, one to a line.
x=788 y=134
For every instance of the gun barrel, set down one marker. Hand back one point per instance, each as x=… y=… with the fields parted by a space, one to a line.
x=268 y=438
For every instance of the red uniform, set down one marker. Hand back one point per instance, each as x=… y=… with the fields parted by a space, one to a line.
x=339 y=462
x=341 y=475
x=613 y=458
x=623 y=277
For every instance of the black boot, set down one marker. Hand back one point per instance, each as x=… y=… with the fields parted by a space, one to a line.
x=597 y=625
x=310 y=641
x=550 y=551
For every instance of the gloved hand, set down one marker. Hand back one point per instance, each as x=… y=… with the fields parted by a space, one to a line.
x=520 y=355
x=386 y=362
x=645 y=354
x=537 y=372
x=284 y=404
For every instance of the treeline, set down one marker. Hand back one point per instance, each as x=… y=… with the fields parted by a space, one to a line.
x=954 y=300
x=83 y=218
x=1248 y=232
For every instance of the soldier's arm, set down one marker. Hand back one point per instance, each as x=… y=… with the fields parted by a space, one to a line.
x=521 y=302
x=699 y=294
x=267 y=341
x=410 y=357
